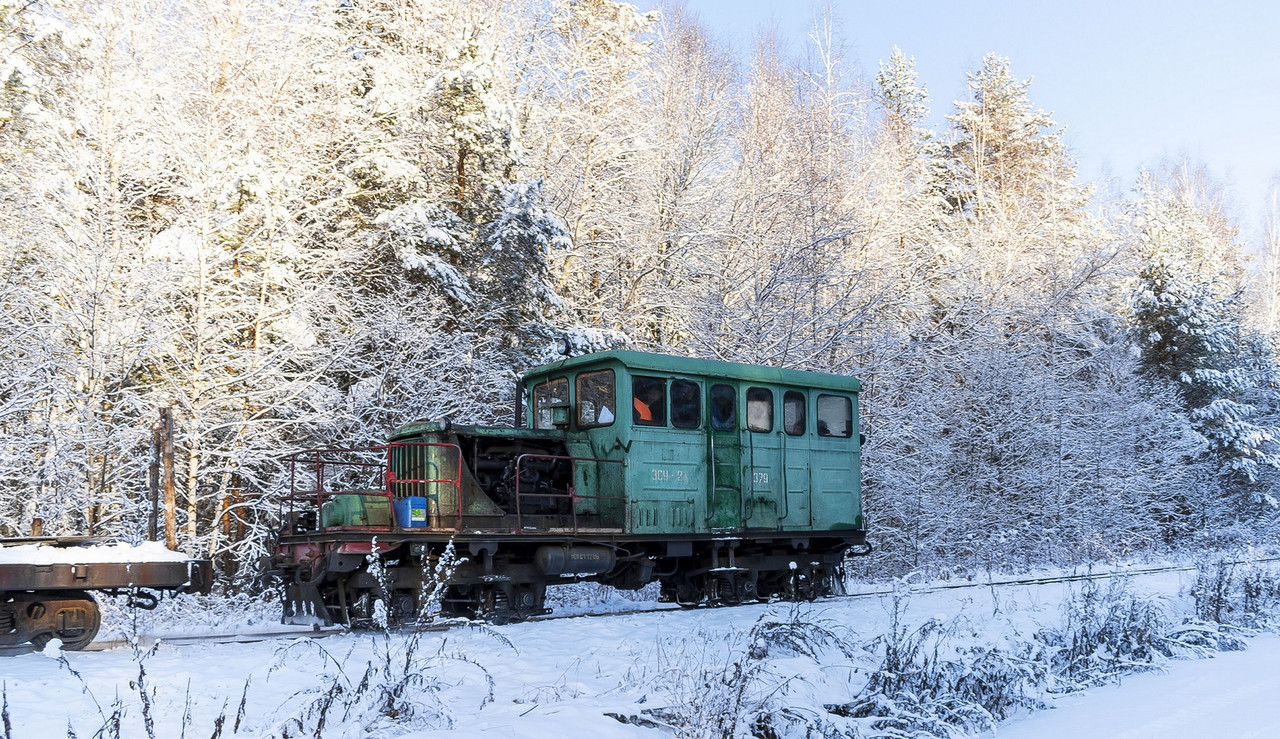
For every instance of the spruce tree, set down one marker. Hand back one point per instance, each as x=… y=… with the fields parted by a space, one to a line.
x=1188 y=320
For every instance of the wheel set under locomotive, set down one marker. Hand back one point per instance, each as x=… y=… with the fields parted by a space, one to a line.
x=725 y=483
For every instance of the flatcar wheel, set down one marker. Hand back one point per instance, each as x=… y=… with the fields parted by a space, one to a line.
x=76 y=622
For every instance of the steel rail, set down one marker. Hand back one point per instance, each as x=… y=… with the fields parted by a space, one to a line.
x=146 y=641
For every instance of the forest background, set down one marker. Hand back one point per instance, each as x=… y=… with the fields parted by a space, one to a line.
x=302 y=224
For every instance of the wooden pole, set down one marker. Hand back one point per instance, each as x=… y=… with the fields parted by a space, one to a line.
x=153 y=483
x=166 y=455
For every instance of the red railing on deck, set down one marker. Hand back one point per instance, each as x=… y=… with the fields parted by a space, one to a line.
x=455 y=482
x=319 y=460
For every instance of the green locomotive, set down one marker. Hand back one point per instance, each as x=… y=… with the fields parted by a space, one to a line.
x=724 y=482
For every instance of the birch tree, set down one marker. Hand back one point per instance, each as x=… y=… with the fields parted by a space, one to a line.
x=232 y=178
x=76 y=260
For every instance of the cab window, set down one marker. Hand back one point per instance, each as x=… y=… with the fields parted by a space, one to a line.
x=793 y=413
x=835 y=416
x=597 y=404
x=686 y=404
x=649 y=401
x=546 y=395
x=759 y=409
x=724 y=408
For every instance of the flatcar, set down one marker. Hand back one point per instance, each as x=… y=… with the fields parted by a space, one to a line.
x=725 y=483
x=47 y=585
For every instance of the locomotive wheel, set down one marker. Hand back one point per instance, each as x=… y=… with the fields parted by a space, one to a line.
x=457 y=603
x=772 y=584
x=402 y=610
x=681 y=590
x=722 y=591
x=524 y=603
x=494 y=606
x=807 y=584
x=500 y=608
x=474 y=602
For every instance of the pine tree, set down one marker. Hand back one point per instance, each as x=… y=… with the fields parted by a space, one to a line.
x=905 y=103
x=1007 y=154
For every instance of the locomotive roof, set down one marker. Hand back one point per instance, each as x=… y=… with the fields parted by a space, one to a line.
x=667 y=363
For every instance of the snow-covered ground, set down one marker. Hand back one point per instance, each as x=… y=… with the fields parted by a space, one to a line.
x=643 y=674
x=1230 y=696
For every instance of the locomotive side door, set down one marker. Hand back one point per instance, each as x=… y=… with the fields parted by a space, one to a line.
x=796 y=486
x=835 y=459
x=665 y=458
x=762 y=460
x=724 y=483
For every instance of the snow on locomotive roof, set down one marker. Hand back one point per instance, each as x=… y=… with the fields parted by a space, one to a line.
x=40 y=554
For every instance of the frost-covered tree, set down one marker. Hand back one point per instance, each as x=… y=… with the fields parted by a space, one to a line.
x=72 y=256
x=34 y=63
x=31 y=62
x=1267 y=288
x=1188 y=320
x=678 y=209
x=793 y=281
x=590 y=138
x=912 y=237
x=905 y=104
x=1006 y=153
x=220 y=189
x=307 y=224
x=444 y=277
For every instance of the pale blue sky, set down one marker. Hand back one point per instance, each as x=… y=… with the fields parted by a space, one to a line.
x=1130 y=81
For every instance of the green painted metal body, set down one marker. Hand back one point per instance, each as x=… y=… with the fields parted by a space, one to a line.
x=690 y=473
x=356 y=510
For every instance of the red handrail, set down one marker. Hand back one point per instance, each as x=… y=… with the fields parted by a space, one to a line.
x=319 y=459
x=455 y=481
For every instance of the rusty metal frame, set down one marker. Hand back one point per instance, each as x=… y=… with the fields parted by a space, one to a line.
x=191 y=576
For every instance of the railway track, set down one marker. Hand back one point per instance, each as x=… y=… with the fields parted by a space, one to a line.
x=147 y=641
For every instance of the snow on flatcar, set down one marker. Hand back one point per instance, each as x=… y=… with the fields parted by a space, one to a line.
x=724 y=482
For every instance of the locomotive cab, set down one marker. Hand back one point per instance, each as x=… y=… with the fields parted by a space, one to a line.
x=711 y=447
